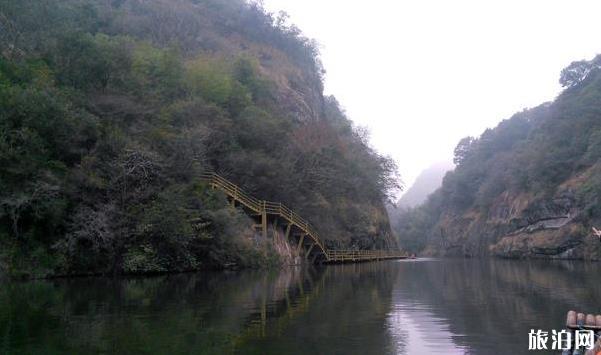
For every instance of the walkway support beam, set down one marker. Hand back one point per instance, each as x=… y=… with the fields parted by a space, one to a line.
x=263 y=220
x=309 y=251
x=300 y=243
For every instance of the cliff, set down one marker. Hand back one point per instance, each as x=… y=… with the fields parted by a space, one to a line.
x=110 y=110
x=528 y=188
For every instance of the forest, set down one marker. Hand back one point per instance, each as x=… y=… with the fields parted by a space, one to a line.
x=529 y=187
x=110 y=110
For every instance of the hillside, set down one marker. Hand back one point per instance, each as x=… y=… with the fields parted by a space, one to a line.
x=109 y=111
x=426 y=182
x=528 y=188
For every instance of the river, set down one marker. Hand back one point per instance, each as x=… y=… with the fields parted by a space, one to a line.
x=424 y=306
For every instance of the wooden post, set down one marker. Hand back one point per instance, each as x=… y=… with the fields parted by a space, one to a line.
x=309 y=251
x=300 y=243
x=274 y=225
x=288 y=227
x=235 y=197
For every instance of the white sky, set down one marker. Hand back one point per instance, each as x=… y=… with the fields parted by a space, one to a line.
x=422 y=74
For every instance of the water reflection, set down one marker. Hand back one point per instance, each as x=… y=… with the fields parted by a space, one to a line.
x=488 y=306
x=410 y=307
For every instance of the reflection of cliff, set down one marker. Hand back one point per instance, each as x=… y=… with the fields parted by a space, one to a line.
x=287 y=297
x=347 y=314
x=477 y=299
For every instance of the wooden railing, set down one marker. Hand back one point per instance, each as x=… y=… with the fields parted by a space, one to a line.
x=361 y=255
x=264 y=208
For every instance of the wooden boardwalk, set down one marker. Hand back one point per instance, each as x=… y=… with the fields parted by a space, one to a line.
x=309 y=243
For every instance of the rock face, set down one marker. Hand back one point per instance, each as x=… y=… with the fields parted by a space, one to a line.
x=298 y=93
x=545 y=228
x=519 y=226
x=287 y=253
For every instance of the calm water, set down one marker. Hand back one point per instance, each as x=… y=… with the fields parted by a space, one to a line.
x=397 y=307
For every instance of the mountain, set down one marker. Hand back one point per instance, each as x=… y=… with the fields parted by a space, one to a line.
x=530 y=187
x=110 y=110
x=426 y=182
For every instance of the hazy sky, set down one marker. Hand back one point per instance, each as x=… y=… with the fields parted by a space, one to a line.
x=422 y=74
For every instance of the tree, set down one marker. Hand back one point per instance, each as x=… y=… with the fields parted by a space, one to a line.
x=463 y=149
x=577 y=71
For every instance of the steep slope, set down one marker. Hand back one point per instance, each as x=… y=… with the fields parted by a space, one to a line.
x=426 y=182
x=528 y=188
x=109 y=111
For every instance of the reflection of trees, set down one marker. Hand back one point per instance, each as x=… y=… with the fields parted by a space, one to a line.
x=168 y=314
x=499 y=298
x=293 y=310
x=346 y=315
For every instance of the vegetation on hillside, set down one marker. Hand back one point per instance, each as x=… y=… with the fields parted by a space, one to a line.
x=109 y=110
x=534 y=153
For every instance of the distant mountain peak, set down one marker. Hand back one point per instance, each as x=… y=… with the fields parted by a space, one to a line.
x=426 y=182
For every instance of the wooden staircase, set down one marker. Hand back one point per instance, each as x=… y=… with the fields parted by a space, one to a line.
x=309 y=241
